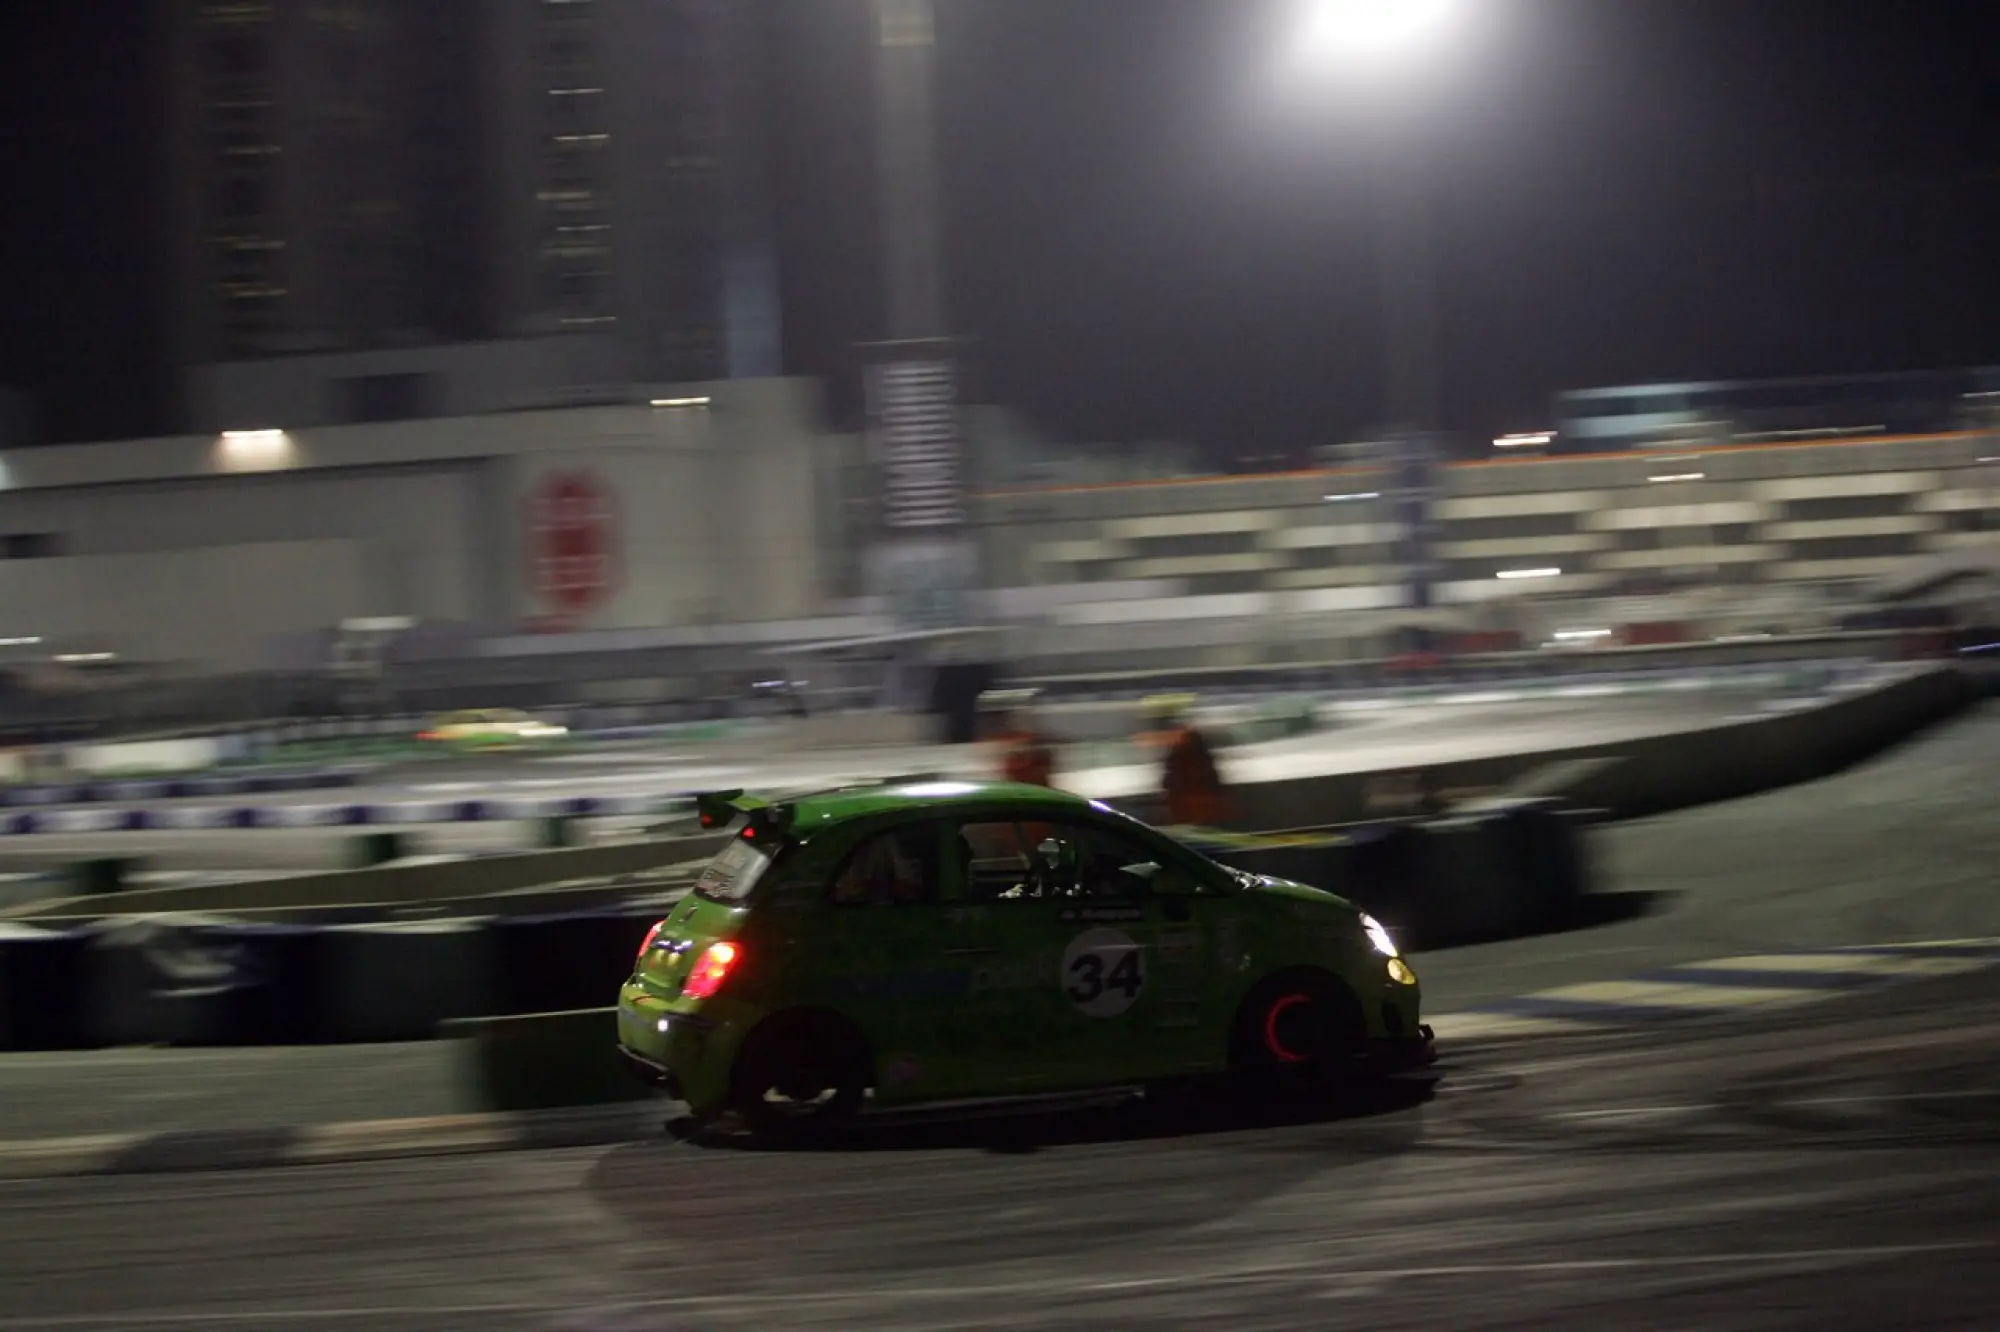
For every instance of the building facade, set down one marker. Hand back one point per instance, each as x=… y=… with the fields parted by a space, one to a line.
x=1771 y=536
x=371 y=175
x=210 y=552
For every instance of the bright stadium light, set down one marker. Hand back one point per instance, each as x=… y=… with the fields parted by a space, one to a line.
x=1373 y=31
x=1513 y=574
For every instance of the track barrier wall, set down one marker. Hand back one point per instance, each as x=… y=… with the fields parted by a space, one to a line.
x=385 y=887
x=210 y=981
x=72 y=973
x=542 y=1061
x=1657 y=773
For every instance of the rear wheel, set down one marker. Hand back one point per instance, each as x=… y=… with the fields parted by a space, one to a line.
x=800 y=1079
x=1298 y=1029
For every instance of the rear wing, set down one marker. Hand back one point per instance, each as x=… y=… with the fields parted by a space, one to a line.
x=719 y=809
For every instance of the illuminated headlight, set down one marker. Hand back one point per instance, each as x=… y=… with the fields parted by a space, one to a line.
x=1399 y=972
x=1379 y=936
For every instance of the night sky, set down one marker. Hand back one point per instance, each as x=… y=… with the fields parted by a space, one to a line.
x=1148 y=242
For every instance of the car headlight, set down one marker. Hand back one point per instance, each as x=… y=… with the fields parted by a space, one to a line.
x=1379 y=936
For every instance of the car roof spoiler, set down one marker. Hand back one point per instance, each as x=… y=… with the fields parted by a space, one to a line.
x=719 y=809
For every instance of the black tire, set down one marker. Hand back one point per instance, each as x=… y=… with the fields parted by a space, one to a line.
x=1297 y=1030
x=800 y=1079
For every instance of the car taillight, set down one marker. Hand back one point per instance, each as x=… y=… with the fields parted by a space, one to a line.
x=651 y=935
x=710 y=969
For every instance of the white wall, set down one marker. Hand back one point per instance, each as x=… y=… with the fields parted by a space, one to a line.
x=214 y=607
x=415 y=531
x=717 y=519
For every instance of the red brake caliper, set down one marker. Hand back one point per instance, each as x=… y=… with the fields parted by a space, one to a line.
x=1272 y=1043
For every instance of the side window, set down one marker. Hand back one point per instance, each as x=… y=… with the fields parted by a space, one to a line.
x=995 y=861
x=1110 y=865
x=893 y=868
x=1006 y=861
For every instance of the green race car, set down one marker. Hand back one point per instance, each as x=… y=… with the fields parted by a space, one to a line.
x=932 y=941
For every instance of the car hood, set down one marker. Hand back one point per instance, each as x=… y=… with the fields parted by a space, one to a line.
x=1266 y=886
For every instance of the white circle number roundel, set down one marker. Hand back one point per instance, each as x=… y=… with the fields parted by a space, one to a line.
x=1103 y=972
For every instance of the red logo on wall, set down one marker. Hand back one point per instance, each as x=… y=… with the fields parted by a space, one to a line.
x=572 y=545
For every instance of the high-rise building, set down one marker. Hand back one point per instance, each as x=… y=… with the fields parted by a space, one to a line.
x=355 y=175
x=635 y=163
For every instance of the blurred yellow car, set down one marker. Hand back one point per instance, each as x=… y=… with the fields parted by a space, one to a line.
x=492 y=728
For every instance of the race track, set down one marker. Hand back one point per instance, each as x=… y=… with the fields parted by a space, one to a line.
x=1837 y=1174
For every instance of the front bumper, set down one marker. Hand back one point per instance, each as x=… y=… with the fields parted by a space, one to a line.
x=1402 y=1054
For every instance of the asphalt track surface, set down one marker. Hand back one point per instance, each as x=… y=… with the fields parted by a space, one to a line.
x=1826 y=1167
x=1835 y=1174
x=1403 y=736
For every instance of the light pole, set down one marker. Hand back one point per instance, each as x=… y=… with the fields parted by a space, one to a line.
x=1378 y=52
x=906 y=137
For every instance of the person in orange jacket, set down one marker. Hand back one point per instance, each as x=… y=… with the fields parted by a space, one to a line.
x=1026 y=755
x=1190 y=779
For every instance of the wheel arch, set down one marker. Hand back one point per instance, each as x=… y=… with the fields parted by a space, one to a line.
x=1306 y=977
x=816 y=1019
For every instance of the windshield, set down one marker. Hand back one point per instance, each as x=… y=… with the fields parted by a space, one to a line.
x=733 y=873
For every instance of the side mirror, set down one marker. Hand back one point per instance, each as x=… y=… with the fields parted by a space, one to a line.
x=1163 y=881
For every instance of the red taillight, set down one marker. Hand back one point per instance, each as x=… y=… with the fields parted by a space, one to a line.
x=651 y=935
x=429 y=735
x=710 y=969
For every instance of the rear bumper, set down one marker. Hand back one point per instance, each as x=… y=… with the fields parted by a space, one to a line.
x=651 y=1072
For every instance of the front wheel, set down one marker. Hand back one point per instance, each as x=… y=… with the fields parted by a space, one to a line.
x=1299 y=1029
x=800 y=1080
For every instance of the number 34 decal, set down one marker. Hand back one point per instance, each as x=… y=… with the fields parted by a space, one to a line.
x=1103 y=972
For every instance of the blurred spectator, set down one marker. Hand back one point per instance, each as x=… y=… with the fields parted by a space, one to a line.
x=1025 y=752
x=1189 y=779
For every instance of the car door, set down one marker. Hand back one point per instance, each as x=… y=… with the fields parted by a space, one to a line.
x=1009 y=1020
x=1093 y=976
x=1136 y=952
x=873 y=948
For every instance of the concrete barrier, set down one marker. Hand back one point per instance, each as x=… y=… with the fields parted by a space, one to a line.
x=145 y=756
x=189 y=980
x=389 y=886
x=205 y=981
x=1658 y=773
x=399 y=980
x=551 y=963
x=1501 y=870
x=42 y=988
x=542 y=1061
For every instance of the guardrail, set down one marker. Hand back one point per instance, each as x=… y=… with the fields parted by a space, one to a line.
x=1396 y=675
